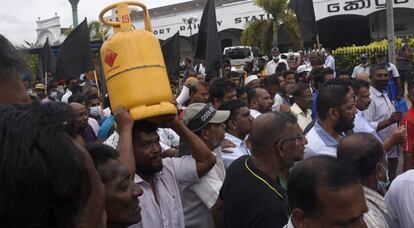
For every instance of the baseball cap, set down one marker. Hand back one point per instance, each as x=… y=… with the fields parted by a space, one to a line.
x=39 y=86
x=198 y=115
x=364 y=56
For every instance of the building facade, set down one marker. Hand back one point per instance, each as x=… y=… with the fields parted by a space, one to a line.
x=49 y=28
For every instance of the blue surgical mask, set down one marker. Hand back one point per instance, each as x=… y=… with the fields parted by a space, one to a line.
x=383 y=184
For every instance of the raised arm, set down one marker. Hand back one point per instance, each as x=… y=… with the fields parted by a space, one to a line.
x=125 y=148
x=205 y=159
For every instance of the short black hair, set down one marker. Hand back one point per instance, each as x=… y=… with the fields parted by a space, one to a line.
x=358 y=84
x=38 y=157
x=342 y=72
x=300 y=89
x=376 y=67
x=251 y=94
x=89 y=97
x=232 y=74
x=233 y=106
x=280 y=68
x=144 y=126
x=317 y=74
x=287 y=72
x=271 y=80
x=12 y=63
x=263 y=131
x=76 y=99
x=331 y=95
x=363 y=158
x=305 y=179
x=100 y=154
x=219 y=87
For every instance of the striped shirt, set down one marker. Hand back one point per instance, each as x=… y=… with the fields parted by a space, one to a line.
x=375 y=217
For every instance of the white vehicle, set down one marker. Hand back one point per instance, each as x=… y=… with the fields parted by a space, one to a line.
x=238 y=56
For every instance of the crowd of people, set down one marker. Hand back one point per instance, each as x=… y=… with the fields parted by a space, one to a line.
x=285 y=143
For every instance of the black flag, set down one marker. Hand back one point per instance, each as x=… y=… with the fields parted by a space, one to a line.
x=75 y=55
x=306 y=17
x=48 y=58
x=208 y=41
x=171 y=52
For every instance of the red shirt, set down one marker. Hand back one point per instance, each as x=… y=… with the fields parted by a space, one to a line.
x=408 y=122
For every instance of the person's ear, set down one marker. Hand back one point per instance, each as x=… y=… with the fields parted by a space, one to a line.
x=298 y=218
x=231 y=124
x=333 y=114
x=378 y=171
x=205 y=134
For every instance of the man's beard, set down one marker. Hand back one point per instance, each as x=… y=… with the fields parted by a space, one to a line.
x=148 y=169
x=343 y=125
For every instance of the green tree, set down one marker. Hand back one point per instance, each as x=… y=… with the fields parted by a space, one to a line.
x=94 y=29
x=264 y=33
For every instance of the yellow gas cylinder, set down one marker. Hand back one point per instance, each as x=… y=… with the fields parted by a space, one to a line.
x=134 y=68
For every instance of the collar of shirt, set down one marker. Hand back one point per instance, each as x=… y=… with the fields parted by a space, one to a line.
x=138 y=179
x=255 y=113
x=233 y=139
x=297 y=110
x=360 y=113
x=375 y=198
x=290 y=224
x=325 y=137
x=376 y=92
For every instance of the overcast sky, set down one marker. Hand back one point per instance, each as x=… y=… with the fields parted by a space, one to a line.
x=18 y=17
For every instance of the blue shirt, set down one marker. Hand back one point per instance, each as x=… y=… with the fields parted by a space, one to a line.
x=320 y=142
x=313 y=106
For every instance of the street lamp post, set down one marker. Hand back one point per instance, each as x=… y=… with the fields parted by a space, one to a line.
x=74 y=4
x=190 y=21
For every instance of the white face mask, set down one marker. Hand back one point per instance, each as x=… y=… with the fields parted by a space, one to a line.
x=53 y=94
x=95 y=111
x=383 y=184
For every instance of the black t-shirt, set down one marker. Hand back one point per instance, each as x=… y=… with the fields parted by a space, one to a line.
x=248 y=201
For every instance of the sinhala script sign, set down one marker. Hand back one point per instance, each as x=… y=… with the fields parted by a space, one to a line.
x=329 y=8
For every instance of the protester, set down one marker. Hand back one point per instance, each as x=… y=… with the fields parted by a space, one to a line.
x=329 y=59
x=252 y=82
x=68 y=192
x=200 y=197
x=302 y=97
x=371 y=164
x=319 y=76
x=199 y=92
x=251 y=194
x=343 y=75
x=276 y=60
x=404 y=59
x=325 y=192
x=399 y=200
x=12 y=65
x=271 y=85
x=394 y=89
x=242 y=94
x=261 y=66
x=259 y=102
x=381 y=109
x=289 y=76
x=121 y=193
x=221 y=90
x=364 y=67
x=336 y=113
x=234 y=77
x=184 y=95
x=83 y=128
x=408 y=123
x=162 y=179
x=238 y=126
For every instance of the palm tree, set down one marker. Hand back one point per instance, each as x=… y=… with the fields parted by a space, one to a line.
x=263 y=33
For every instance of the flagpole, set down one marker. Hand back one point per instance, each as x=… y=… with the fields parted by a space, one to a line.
x=97 y=83
x=45 y=82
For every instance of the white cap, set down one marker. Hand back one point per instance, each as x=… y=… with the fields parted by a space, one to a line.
x=304 y=68
x=250 y=79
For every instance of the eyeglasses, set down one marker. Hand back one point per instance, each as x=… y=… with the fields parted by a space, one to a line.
x=298 y=139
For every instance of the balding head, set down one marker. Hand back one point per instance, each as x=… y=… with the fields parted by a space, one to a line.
x=363 y=151
x=82 y=114
x=264 y=135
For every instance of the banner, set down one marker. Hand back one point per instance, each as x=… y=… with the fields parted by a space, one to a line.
x=329 y=8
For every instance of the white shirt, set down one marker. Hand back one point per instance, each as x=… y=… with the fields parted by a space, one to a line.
x=362 y=125
x=234 y=152
x=94 y=124
x=379 y=110
x=168 y=137
x=330 y=62
x=400 y=201
x=391 y=67
x=272 y=65
x=176 y=174
x=303 y=118
x=65 y=97
x=277 y=102
x=199 y=197
x=255 y=113
x=360 y=69
x=319 y=142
